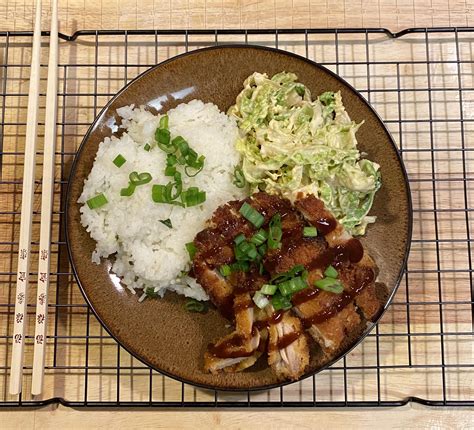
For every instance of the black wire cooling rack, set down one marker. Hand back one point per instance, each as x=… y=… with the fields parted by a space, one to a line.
x=421 y=83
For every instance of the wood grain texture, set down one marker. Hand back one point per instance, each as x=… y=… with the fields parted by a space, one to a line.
x=211 y=14
x=405 y=331
x=408 y=417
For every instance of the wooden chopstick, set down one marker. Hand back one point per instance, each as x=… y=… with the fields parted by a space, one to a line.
x=24 y=245
x=41 y=319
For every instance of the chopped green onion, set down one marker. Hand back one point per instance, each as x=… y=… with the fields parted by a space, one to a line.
x=331 y=272
x=147 y=147
x=192 y=305
x=192 y=249
x=127 y=192
x=170 y=186
x=259 y=238
x=310 y=232
x=171 y=160
x=97 y=201
x=240 y=266
x=170 y=171
x=119 y=160
x=181 y=144
x=260 y=268
x=262 y=250
x=225 y=270
x=164 y=120
x=295 y=270
x=244 y=247
x=198 y=166
x=268 y=289
x=281 y=302
x=304 y=275
x=158 y=194
x=252 y=252
x=274 y=232
x=252 y=215
x=150 y=293
x=260 y=300
x=239 y=178
x=239 y=238
x=239 y=254
x=162 y=135
x=139 y=178
x=287 y=288
x=166 y=222
x=193 y=197
x=330 y=284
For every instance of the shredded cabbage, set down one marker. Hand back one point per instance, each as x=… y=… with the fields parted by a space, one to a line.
x=292 y=144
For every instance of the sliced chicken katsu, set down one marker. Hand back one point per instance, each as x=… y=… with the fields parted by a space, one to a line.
x=331 y=317
x=242 y=348
x=288 y=351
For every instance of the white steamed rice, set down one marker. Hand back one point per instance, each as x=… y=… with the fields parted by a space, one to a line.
x=147 y=253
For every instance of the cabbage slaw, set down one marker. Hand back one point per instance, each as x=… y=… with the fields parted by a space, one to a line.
x=291 y=144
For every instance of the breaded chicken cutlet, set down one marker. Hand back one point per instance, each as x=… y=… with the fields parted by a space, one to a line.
x=284 y=321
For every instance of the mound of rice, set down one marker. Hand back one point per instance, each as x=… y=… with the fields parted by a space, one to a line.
x=148 y=254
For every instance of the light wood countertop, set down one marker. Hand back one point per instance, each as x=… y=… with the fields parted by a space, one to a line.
x=216 y=14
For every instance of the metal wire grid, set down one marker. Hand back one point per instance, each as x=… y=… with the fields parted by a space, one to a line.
x=420 y=81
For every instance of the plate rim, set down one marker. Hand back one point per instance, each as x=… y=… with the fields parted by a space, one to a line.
x=399 y=160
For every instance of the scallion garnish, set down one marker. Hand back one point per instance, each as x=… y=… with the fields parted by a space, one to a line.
x=119 y=160
x=225 y=270
x=287 y=288
x=310 y=231
x=197 y=169
x=170 y=171
x=281 y=302
x=240 y=266
x=127 y=192
x=260 y=300
x=239 y=178
x=171 y=160
x=252 y=215
x=259 y=238
x=239 y=238
x=262 y=250
x=162 y=135
x=329 y=284
x=193 y=197
x=139 y=178
x=147 y=147
x=97 y=201
x=274 y=232
x=192 y=249
x=330 y=272
x=268 y=289
x=164 y=120
x=192 y=305
x=166 y=222
x=295 y=270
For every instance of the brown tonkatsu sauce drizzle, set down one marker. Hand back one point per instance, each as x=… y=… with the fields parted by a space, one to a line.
x=276 y=317
x=304 y=296
x=350 y=250
x=286 y=340
x=325 y=225
x=225 y=348
x=342 y=301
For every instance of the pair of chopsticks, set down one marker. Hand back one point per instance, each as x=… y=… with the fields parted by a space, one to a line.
x=24 y=246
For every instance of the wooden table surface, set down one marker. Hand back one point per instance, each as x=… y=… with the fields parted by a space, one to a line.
x=122 y=14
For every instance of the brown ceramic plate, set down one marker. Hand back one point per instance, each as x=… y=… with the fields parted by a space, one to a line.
x=160 y=332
